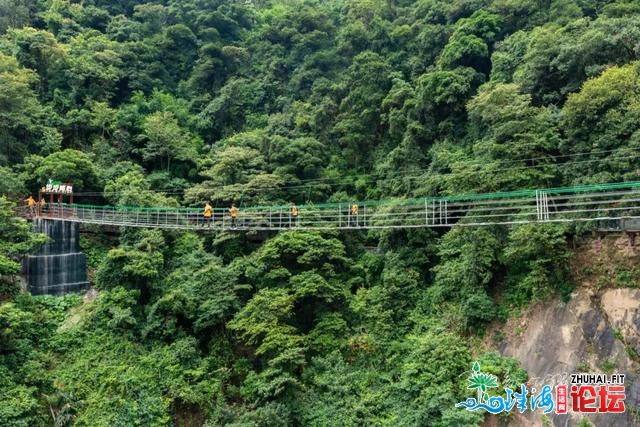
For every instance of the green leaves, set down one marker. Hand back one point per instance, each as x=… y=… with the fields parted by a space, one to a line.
x=266 y=102
x=312 y=284
x=69 y=165
x=559 y=59
x=20 y=111
x=514 y=146
x=20 y=407
x=299 y=251
x=536 y=260
x=134 y=266
x=604 y=119
x=16 y=91
x=16 y=240
x=133 y=189
x=26 y=325
x=262 y=321
x=165 y=140
x=299 y=289
x=115 y=310
x=469 y=45
x=265 y=310
x=428 y=377
x=196 y=298
x=94 y=66
x=366 y=84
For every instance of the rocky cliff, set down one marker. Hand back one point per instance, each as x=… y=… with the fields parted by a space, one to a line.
x=596 y=331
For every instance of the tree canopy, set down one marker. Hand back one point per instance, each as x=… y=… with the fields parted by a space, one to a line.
x=176 y=103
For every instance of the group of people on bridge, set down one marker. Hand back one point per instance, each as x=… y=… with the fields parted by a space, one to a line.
x=293 y=215
x=33 y=206
x=208 y=214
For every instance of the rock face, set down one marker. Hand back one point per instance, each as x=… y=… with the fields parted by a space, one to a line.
x=595 y=332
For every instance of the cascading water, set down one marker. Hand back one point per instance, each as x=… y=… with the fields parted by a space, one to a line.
x=58 y=267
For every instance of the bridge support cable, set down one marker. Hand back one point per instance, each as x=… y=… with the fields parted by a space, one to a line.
x=542 y=205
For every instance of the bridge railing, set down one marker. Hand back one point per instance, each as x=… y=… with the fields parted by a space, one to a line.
x=583 y=203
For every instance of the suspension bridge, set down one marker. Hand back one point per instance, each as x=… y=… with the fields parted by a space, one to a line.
x=614 y=201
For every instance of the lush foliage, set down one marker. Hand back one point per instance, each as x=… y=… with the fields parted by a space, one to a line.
x=16 y=241
x=173 y=103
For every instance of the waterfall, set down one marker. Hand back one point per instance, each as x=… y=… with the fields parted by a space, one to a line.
x=58 y=267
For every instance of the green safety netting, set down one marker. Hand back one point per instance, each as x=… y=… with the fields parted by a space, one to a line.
x=388 y=202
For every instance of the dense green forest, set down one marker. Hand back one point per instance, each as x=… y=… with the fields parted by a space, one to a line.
x=175 y=102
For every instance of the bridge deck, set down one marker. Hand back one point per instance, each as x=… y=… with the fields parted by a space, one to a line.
x=571 y=204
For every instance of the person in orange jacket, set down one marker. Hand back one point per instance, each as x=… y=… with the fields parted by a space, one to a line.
x=31 y=204
x=353 y=215
x=208 y=214
x=233 y=211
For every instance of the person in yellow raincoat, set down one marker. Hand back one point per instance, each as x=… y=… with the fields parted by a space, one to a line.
x=43 y=206
x=353 y=215
x=233 y=211
x=31 y=204
x=208 y=214
x=294 y=214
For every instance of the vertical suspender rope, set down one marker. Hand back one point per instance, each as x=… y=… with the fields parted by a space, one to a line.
x=364 y=215
x=446 y=220
x=546 y=206
x=434 y=210
x=426 y=212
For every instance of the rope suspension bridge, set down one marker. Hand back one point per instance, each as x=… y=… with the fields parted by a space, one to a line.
x=604 y=202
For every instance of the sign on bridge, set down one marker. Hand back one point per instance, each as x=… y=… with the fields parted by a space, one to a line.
x=58 y=187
